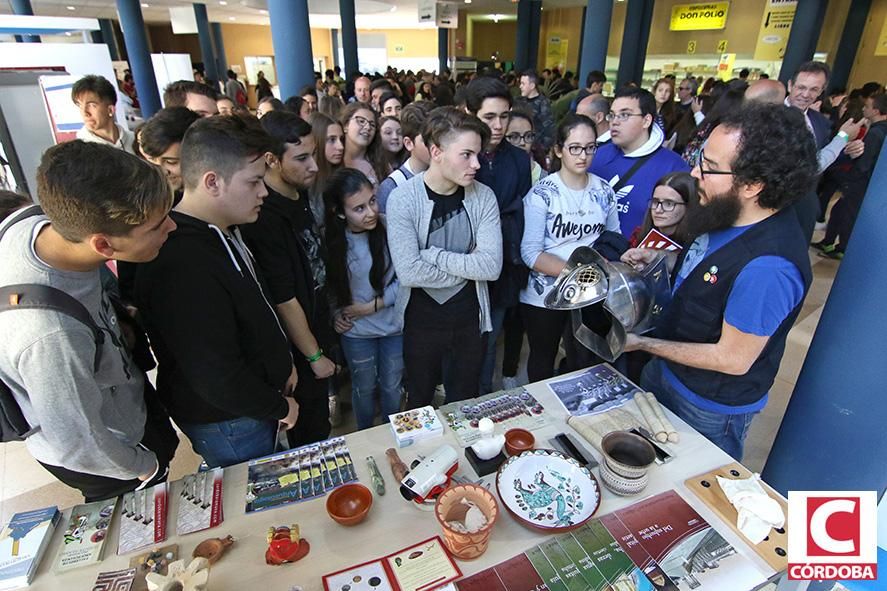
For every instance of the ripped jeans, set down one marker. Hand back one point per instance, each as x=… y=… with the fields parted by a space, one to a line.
x=375 y=364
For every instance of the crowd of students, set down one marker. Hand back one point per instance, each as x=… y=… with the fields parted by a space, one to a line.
x=401 y=236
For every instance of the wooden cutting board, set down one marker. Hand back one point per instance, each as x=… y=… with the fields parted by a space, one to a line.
x=774 y=548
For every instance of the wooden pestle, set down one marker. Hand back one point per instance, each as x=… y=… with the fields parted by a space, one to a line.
x=398 y=468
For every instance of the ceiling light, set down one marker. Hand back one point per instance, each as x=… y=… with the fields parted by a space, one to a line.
x=145 y=5
x=231 y=18
x=467 y=1
x=223 y=3
x=263 y=11
x=71 y=8
x=393 y=8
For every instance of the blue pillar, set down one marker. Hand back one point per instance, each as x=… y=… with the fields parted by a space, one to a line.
x=349 y=39
x=801 y=45
x=832 y=436
x=847 y=46
x=443 y=49
x=334 y=39
x=23 y=7
x=219 y=47
x=291 y=37
x=106 y=28
x=136 y=41
x=524 y=18
x=638 y=16
x=596 y=37
x=533 y=39
x=206 y=43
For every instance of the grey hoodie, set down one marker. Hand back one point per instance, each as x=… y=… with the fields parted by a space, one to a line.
x=89 y=422
x=409 y=214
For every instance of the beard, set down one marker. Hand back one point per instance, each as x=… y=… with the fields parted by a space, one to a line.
x=720 y=212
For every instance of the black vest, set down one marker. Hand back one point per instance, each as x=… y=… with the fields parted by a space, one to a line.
x=696 y=312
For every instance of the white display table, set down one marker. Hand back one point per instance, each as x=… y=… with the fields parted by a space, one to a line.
x=392 y=522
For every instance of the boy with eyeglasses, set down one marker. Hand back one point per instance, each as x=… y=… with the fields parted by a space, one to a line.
x=635 y=159
x=506 y=170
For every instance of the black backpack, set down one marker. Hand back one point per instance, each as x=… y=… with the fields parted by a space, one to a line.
x=13 y=426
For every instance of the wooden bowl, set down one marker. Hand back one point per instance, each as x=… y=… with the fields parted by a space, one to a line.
x=349 y=504
x=627 y=454
x=518 y=441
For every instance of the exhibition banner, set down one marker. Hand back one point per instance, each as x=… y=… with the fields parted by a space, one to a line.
x=699 y=17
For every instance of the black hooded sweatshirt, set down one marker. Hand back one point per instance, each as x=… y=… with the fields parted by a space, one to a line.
x=221 y=351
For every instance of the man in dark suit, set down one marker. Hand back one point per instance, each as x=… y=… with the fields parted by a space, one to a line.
x=804 y=89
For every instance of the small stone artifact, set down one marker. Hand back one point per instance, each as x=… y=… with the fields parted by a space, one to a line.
x=213 y=548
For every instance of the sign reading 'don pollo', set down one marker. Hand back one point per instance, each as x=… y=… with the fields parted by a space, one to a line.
x=699 y=17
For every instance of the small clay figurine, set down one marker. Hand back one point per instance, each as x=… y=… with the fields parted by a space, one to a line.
x=284 y=545
x=398 y=468
x=212 y=549
x=489 y=445
x=179 y=578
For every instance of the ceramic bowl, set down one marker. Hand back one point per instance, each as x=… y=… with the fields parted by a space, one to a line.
x=547 y=491
x=621 y=485
x=349 y=504
x=627 y=454
x=518 y=441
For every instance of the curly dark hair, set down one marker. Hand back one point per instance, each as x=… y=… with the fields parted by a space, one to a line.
x=775 y=149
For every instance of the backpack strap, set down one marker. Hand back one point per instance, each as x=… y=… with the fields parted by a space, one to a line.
x=30 y=296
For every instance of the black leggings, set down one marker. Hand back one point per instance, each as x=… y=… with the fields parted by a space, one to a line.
x=544 y=330
x=427 y=351
x=513 y=327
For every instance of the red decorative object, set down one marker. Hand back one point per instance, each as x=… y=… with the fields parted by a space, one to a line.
x=284 y=545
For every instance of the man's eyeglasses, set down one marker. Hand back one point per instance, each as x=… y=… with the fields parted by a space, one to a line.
x=575 y=150
x=665 y=204
x=363 y=122
x=518 y=138
x=704 y=171
x=622 y=117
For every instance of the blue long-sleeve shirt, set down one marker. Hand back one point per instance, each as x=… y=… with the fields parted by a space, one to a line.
x=385 y=322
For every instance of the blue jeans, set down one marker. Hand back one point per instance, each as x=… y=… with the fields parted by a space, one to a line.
x=726 y=431
x=231 y=442
x=497 y=317
x=374 y=363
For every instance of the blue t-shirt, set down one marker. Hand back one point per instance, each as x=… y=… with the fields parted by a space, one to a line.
x=764 y=293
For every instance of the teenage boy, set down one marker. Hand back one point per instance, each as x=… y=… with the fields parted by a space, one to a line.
x=161 y=138
x=412 y=118
x=99 y=429
x=506 y=170
x=200 y=98
x=224 y=364
x=96 y=99
x=635 y=159
x=287 y=248
x=446 y=244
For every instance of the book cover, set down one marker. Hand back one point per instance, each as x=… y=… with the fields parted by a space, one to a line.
x=22 y=544
x=143 y=519
x=597 y=389
x=200 y=506
x=573 y=549
x=566 y=568
x=515 y=574
x=545 y=569
x=690 y=552
x=85 y=535
x=659 y=241
x=118 y=580
x=609 y=558
x=415 y=425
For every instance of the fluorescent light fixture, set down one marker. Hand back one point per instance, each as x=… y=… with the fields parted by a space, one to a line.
x=263 y=11
x=467 y=1
x=145 y=5
x=231 y=18
x=71 y=8
x=223 y=3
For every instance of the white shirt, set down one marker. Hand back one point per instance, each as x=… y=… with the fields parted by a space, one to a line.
x=125 y=138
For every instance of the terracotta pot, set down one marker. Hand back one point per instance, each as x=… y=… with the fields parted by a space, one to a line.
x=349 y=504
x=449 y=507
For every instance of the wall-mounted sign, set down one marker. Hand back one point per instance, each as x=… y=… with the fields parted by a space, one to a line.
x=881 y=47
x=722 y=46
x=399 y=49
x=444 y=15
x=691 y=47
x=725 y=66
x=776 y=24
x=699 y=17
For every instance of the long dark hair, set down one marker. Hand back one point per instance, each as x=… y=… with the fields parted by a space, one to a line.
x=685 y=186
x=344 y=183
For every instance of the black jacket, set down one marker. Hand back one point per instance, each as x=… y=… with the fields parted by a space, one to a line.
x=507 y=173
x=221 y=352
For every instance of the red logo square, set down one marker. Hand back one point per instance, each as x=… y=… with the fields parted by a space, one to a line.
x=833 y=526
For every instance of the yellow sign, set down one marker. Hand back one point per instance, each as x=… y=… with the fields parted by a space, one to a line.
x=699 y=17
x=725 y=66
x=399 y=49
x=776 y=24
x=691 y=46
x=722 y=46
x=556 y=53
x=881 y=48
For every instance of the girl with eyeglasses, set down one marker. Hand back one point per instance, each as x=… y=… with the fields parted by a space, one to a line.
x=673 y=195
x=360 y=124
x=562 y=212
x=521 y=134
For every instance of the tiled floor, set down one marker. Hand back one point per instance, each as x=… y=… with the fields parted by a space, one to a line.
x=24 y=484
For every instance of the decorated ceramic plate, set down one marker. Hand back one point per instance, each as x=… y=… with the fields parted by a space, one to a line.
x=547 y=491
